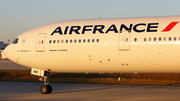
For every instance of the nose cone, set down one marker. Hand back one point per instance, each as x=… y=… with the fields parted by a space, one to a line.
x=10 y=52
x=4 y=51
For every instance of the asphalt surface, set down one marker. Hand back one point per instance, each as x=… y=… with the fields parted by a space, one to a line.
x=88 y=92
x=82 y=92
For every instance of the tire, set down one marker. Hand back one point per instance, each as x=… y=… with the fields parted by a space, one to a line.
x=46 y=89
x=49 y=89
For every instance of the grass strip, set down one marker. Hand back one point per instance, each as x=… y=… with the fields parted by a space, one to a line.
x=95 y=78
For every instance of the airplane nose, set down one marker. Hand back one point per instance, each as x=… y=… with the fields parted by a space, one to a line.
x=10 y=52
x=5 y=51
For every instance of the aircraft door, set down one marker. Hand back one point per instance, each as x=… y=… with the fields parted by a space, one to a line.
x=40 y=42
x=124 y=41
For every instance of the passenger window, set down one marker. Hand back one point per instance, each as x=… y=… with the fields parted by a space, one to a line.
x=70 y=41
x=126 y=39
x=174 y=38
x=159 y=38
x=62 y=41
x=75 y=41
x=179 y=38
x=88 y=40
x=135 y=39
x=93 y=40
x=79 y=40
x=54 y=41
x=150 y=39
x=57 y=41
x=164 y=38
x=66 y=41
x=169 y=38
x=84 y=40
x=97 y=40
x=42 y=41
x=145 y=39
x=15 y=41
x=50 y=41
x=154 y=39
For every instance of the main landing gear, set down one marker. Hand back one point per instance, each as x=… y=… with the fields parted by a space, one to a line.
x=46 y=88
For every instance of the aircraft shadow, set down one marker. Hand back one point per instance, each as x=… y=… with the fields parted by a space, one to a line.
x=77 y=90
x=171 y=84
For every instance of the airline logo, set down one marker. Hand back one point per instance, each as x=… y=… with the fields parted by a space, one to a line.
x=170 y=26
x=139 y=28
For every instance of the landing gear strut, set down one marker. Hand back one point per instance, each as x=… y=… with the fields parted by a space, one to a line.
x=46 y=88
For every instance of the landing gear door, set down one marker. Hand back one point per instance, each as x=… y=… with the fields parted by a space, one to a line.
x=124 y=41
x=40 y=42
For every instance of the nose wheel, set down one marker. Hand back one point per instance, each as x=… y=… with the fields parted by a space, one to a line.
x=46 y=88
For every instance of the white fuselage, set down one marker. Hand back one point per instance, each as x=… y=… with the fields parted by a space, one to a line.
x=150 y=44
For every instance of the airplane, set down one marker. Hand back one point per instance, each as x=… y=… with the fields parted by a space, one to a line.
x=118 y=45
x=2 y=56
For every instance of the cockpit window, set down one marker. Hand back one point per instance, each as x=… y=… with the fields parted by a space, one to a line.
x=15 y=41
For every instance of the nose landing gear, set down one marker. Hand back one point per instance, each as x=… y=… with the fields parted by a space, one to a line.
x=46 y=88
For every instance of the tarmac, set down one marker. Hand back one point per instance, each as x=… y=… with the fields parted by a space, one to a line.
x=82 y=92
x=88 y=92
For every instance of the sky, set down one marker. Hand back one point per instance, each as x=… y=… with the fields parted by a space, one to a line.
x=18 y=16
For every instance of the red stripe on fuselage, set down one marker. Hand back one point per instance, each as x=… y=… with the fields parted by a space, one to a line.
x=170 y=26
